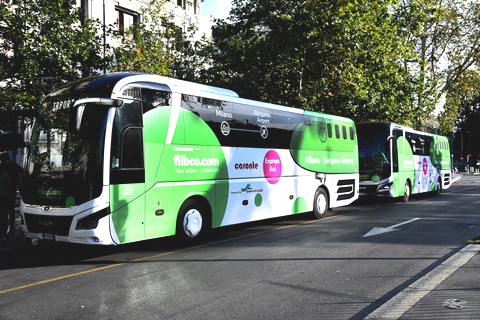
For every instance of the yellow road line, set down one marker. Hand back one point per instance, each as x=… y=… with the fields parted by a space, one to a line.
x=171 y=252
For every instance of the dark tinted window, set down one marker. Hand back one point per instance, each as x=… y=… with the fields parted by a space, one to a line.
x=132 y=148
x=244 y=125
x=153 y=99
x=419 y=143
x=126 y=117
x=283 y=124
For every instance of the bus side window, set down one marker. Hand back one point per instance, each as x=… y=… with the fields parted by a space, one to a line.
x=352 y=136
x=252 y=126
x=329 y=129
x=217 y=114
x=337 y=131
x=344 y=132
x=154 y=99
x=283 y=126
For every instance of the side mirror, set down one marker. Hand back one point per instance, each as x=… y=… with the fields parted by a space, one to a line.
x=78 y=107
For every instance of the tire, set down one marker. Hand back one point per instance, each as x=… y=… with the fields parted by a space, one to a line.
x=438 y=187
x=407 y=192
x=192 y=222
x=320 y=203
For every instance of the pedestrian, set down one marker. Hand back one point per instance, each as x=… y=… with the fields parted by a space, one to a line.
x=5 y=185
x=13 y=171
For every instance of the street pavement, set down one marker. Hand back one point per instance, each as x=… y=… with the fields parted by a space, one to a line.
x=450 y=291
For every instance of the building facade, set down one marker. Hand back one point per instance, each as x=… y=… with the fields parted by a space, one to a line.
x=186 y=13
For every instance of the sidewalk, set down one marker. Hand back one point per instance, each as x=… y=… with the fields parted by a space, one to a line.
x=450 y=291
x=458 y=297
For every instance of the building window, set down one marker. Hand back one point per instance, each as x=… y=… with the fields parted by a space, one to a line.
x=126 y=18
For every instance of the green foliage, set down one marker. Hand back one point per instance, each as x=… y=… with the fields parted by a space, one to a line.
x=156 y=45
x=467 y=105
x=147 y=46
x=42 y=38
x=458 y=46
x=368 y=60
x=340 y=57
x=475 y=240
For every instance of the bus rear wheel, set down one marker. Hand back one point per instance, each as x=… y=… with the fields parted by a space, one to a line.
x=320 y=203
x=438 y=187
x=191 y=221
x=407 y=192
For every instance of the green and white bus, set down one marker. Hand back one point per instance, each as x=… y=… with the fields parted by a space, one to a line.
x=126 y=157
x=397 y=161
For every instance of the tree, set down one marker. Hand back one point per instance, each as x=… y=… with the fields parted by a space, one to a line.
x=42 y=38
x=341 y=57
x=447 y=48
x=393 y=60
x=468 y=120
x=457 y=56
x=156 y=45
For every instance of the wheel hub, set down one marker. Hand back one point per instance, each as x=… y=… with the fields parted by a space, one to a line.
x=321 y=203
x=192 y=223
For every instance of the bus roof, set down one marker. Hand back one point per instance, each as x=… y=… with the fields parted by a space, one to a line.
x=395 y=125
x=110 y=86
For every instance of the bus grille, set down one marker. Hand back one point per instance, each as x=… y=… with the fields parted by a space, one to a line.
x=368 y=189
x=346 y=189
x=446 y=179
x=48 y=224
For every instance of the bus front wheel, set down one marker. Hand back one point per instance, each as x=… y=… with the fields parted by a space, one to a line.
x=406 y=194
x=320 y=203
x=191 y=221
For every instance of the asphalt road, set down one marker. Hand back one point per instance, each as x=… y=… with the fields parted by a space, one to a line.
x=290 y=268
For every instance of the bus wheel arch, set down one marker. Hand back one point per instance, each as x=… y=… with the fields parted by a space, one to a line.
x=321 y=202
x=193 y=220
x=407 y=191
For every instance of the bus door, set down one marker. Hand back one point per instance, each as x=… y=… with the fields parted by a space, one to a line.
x=127 y=173
x=397 y=133
x=398 y=175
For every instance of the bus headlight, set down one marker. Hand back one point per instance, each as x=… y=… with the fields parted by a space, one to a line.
x=384 y=188
x=91 y=222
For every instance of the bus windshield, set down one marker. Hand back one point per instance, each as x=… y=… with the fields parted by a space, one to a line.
x=374 y=155
x=64 y=167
